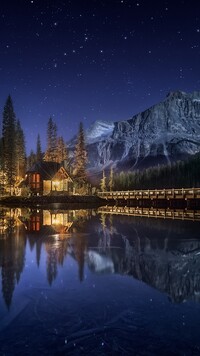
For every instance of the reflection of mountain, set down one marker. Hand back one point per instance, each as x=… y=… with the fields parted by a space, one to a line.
x=99 y=263
x=159 y=253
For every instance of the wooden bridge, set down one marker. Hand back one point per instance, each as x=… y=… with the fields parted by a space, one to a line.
x=154 y=196
x=178 y=214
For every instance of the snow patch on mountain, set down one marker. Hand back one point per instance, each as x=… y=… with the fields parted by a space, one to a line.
x=98 y=130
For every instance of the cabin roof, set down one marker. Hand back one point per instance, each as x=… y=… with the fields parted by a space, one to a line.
x=47 y=170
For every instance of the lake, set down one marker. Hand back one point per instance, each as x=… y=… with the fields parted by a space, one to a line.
x=90 y=282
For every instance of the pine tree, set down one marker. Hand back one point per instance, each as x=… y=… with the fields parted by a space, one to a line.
x=50 y=154
x=20 y=151
x=9 y=142
x=111 y=180
x=103 y=182
x=31 y=160
x=80 y=156
x=1 y=153
x=61 y=151
x=2 y=175
x=39 y=155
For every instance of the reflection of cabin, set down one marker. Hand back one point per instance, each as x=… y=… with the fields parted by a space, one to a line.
x=59 y=221
x=35 y=221
x=46 y=177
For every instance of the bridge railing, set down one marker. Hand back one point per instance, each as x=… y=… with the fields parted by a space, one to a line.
x=176 y=193
x=152 y=213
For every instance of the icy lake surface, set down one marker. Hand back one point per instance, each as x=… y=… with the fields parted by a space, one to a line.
x=84 y=283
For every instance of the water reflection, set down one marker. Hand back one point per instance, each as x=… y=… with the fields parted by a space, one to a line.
x=163 y=254
x=52 y=230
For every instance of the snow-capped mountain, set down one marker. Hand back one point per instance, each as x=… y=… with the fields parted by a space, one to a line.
x=165 y=132
x=98 y=131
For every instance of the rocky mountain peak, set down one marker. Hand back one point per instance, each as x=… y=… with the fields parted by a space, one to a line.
x=168 y=131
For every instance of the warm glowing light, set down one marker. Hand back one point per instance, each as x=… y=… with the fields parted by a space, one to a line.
x=55 y=184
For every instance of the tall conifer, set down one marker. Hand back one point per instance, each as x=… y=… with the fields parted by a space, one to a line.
x=61 y=150
x=111 y=180
x=39 y=155
x=20 y=151
x=9 y=142
x=103 y=182
x=31 y=160
x=50 y=154
x=80 y=156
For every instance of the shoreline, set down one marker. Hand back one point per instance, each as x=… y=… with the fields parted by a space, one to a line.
x=42 y=201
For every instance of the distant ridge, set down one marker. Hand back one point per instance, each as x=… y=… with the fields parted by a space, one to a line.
x=166 y=132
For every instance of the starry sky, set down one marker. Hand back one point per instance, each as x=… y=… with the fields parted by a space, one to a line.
x=87 y=60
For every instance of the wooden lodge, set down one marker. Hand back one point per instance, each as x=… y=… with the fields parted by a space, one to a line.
x=46 y=177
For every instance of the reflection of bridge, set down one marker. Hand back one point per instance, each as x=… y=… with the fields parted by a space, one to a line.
x=180 y=214
x=154 y=195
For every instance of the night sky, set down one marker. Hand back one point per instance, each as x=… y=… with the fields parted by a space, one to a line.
x=94 y=59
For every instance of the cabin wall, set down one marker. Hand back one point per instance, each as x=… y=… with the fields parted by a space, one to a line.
x=35 y=183
x=59 y=186
x=46 y=187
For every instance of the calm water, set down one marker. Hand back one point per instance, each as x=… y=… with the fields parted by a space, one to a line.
x=84 y=283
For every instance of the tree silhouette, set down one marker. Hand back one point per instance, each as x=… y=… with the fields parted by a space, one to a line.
x=80 y=156
x=9 y=142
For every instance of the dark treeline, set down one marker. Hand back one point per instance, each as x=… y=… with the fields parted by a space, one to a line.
x=177 y=175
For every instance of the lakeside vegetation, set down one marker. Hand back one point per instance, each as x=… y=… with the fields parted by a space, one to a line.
x=182 y=174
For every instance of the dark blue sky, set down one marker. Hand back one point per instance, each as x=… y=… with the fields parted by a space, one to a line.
x=93 y=60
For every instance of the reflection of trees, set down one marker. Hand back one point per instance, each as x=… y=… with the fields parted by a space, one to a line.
x=79 y=253
x=57 y=230
x=13 y=226
x=56 y=253
x=105 y=232
x=54 y=229
x=51 y=265
x=9 y=220
x=2 y=221
x=12 y=255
